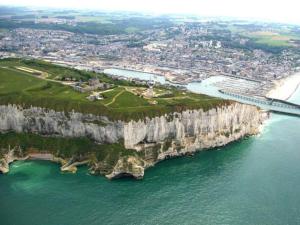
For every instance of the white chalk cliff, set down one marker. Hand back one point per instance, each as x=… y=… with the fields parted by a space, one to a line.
x=158 y=138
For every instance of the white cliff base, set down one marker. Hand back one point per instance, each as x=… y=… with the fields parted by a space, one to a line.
x=153 y=139
x=194 y=130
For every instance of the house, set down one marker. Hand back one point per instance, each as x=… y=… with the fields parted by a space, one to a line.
x=95 y=96
x=93 y=82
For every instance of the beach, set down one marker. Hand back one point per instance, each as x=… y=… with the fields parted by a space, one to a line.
x=285 y=88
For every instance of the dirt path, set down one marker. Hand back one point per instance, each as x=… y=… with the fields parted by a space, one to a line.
x=114 y=98
x=106 y=91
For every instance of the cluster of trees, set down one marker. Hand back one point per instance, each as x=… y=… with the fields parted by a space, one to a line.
x=116 y=27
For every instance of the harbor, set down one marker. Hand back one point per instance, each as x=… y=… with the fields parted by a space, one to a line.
x=242 y=90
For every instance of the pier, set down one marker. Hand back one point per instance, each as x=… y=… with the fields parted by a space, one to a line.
x=269 y=104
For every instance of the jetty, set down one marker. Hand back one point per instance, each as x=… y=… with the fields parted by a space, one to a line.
x=270 y=104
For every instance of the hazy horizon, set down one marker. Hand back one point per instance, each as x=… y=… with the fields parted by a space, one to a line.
x=279 y=11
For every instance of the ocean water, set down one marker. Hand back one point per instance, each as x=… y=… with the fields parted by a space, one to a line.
x=253 y=181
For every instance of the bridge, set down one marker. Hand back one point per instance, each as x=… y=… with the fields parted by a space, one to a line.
x=269 y=104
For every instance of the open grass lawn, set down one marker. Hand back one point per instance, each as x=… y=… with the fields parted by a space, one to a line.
x=110 y=95
x=54 y=71
x=11 y=82
x=127 y=99
x=273 y=39
x=17 y=87
x=57 y=72
x=26 y=89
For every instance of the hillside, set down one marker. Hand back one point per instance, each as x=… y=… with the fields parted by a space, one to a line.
x=116 y=127
x=41 y=84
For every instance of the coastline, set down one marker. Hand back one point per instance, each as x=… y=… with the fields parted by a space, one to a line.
x=66 y=165
x=285 y=88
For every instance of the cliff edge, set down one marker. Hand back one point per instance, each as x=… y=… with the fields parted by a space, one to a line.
x=140 y=144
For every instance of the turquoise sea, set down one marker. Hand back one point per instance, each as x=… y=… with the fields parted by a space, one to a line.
x=253 y=181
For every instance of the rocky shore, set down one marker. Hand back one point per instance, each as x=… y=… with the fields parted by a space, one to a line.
x=17 y=154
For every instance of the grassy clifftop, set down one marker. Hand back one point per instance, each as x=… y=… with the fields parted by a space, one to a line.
x=20 y=85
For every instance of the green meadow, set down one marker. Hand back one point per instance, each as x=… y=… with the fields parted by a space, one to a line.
x=26 y=89
x=273 y=38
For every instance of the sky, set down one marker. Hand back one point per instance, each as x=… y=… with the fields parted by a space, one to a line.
x=271 y=10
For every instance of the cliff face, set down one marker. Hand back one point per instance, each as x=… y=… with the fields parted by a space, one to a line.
x=193 y=130
x=154 y=139
x=49 y=122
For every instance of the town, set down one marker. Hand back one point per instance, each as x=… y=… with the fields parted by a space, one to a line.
x=188 y=52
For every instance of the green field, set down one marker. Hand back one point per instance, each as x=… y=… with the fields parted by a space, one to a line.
x=274 y=39
x=23 y=88
x=271 y=39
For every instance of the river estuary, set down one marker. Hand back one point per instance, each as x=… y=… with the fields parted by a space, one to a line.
x=253 y=181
